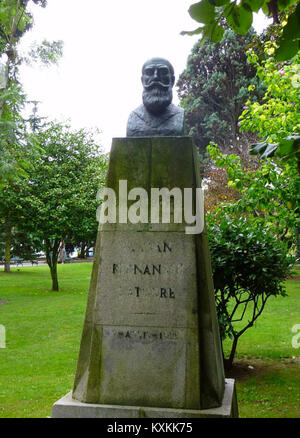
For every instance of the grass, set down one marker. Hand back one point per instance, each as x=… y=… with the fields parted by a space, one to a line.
x=43 y=330
x=267 y=368
x=271 y=335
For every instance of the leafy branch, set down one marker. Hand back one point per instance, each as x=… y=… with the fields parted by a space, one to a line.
x=239 y=16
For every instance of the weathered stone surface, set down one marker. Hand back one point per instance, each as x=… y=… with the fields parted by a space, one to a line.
x=150 y=163
x=147 y=279
x=67 y=407
x=145 y=310
x=150 y=336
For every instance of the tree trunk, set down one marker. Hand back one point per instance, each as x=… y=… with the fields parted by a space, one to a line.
x=82 y=254
x=4 y=86
x=298 y=244
x=52 y=256
x=229 y=362
x=7 y=251
x=53 y=270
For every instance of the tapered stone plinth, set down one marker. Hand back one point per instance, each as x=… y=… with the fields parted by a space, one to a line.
x=150 y=340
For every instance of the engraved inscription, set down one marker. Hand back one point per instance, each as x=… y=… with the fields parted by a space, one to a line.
x=164 y=247
x=148 y=269
x=136 y=269
x=154 y=285
x=167 y=293
x=162 y=292
x=140 y=334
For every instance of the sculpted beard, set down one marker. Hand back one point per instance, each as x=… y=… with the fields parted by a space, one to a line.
x=157 y=99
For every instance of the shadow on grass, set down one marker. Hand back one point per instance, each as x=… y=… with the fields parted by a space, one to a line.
x=19 y=272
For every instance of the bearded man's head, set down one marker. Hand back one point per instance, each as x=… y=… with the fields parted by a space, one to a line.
x=158 y=80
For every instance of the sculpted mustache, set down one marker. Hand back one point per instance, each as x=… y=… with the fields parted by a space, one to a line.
x=154 y=84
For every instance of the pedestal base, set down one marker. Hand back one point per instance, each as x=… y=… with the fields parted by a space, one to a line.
x=67 y=407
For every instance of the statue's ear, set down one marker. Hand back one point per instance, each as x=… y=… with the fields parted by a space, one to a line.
x=173 y=80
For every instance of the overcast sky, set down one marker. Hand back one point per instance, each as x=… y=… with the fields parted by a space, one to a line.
x=97 y=82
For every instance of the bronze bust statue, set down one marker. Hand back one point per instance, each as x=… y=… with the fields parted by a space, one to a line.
x=157 y=116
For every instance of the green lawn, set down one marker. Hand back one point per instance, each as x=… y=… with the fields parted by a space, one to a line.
x=43 y=330
x=267 y=367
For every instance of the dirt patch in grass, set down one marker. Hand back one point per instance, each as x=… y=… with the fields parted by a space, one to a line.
x=294 y=278
x=267 y=388
x=243 y=369
x=3 y=302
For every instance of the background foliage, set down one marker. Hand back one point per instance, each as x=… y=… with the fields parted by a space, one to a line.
x=213 y=90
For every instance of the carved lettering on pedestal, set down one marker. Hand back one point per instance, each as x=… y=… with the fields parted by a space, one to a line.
x=137 y=289
x=136 y=269
x=148 y=270
x=167 y=293
x=164 y=247
x=149 y=335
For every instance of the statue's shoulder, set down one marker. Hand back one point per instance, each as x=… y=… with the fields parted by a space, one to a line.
x=142 y=113
x=138 y=112
x=136 y=122
x=143 y=123
x=175 y=109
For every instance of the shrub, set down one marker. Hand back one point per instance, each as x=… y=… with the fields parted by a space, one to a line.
x=249 y=265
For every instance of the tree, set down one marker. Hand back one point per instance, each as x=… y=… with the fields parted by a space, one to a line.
x=35 y=121
x=23 y=245
x=15 y=21
x=10 y=217
x=277 y=119
x=250 y=239
x=217 y=190
x=84 y=231
x=16 y=242
x=16 y=145
x=249 y=264
x=15 y=239
x=18 y=148
x=239 y=15
x=62 y=187
x=213 y=90
x=269 y=194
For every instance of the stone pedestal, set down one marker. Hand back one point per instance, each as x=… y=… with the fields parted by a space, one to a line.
x=150 y=345
x=67 y=407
